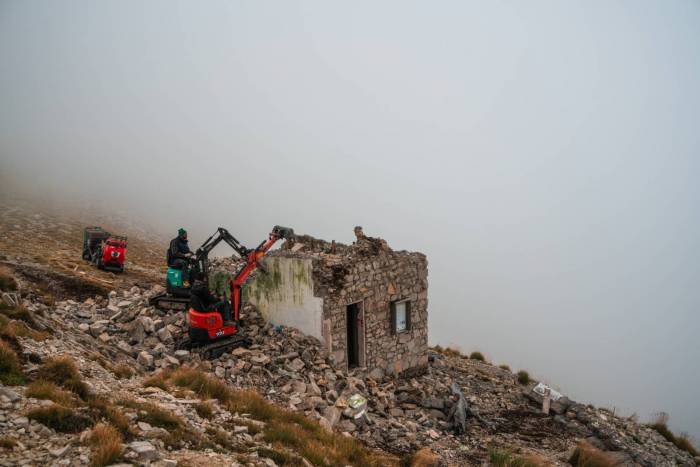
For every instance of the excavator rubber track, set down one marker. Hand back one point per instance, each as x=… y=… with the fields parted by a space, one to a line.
x=214 y=349
x=167 y=302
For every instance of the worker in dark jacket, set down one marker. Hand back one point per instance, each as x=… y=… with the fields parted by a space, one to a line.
x=179 y=251
x=203 y=301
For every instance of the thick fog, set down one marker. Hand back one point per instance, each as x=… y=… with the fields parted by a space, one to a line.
x=544 y=155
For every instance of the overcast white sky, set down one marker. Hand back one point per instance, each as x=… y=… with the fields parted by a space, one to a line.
x=544 y=155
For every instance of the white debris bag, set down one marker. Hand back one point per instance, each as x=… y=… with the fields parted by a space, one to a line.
x=553 y=395
x=358 y=404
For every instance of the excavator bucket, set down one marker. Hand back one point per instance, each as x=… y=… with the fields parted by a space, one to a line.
x=286 y=233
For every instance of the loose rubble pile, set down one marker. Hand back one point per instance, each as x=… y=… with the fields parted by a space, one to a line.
x=402 y=415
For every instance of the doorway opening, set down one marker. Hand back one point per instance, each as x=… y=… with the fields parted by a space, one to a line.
x=355 y=335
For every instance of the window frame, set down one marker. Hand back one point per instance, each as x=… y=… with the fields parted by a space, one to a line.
x=393 y=316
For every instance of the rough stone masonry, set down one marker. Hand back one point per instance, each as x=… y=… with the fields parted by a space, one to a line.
x=367 y=303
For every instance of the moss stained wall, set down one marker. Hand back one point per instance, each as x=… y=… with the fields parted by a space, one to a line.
x=285 y=295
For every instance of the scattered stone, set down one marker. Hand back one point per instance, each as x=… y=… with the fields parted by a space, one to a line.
x=144 y=450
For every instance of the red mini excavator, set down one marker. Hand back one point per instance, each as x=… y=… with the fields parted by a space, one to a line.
x=208 y=334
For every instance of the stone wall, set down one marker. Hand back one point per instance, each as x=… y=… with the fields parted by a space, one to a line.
x=311 y=288
x=376 y=281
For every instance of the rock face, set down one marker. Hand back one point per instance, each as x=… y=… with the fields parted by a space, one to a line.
x=365 y=302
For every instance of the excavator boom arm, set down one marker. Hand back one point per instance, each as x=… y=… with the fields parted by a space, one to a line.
x=253 y=258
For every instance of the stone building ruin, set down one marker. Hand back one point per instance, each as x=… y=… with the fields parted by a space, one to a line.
x=367 y=303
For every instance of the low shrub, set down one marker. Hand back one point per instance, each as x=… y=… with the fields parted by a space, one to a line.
x=504 y=367
x=49 y=391
x=63 y=372
x=477 y=356
x=106 y=445
x=523 y=377
x=10 y=366
x=60 y=418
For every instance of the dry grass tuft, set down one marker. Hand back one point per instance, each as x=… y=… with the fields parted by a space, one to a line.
x=504 y=367
x=284 y=429
x=586 y=455
x=424 y=458
x=450 y=351
x=123 y=371
x=683 y=442
x=7 y=443
x=153 y=414
x=204 y=410
x=204 y=385
x=477 y=356
x=501 y=458
x=63 y=372
x=280 y=457
x=158 y=380
x=10 y=329
x=18 y=313
x=60 y=418
x=106 y=444
x=7 y=282
x=10 y=367
x=47 y=390
x=103 y=409
x=523 y=377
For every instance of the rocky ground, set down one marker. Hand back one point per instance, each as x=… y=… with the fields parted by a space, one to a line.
x=172 y=411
